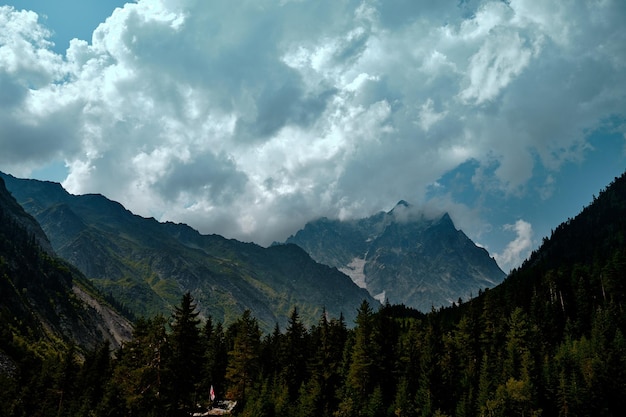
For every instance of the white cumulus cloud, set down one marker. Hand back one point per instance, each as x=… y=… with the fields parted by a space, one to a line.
x=519 y=248
x=250 y=120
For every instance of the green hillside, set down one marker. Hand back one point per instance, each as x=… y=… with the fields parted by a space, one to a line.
x=48 y=311
x=548 y=341
x=147 y=265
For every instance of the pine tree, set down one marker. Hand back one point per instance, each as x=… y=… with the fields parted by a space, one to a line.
x=295 y=354
x=186 y=354
x=93 y=376
x=243 y=365
x=329 y=338
x=360 y=382
x=139 y=384
x=402 y=403
x=385 y=339
x=66 y=379
x=271 y=354
x=429 y=392
x=215 y=359
x=309 y=399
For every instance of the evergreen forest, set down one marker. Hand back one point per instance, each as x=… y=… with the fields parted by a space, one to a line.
x=548 y=341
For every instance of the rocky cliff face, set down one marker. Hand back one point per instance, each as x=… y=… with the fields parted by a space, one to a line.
x=148 y=265
x=403 y=256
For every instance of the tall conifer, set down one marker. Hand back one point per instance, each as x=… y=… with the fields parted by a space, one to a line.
x=243 y=363
x=186 y=353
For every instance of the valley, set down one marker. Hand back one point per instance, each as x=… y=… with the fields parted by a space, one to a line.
x=548 y=340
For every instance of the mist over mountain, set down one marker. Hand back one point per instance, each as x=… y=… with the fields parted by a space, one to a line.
x=549 y=340
x=148 y=265
x=403 y=256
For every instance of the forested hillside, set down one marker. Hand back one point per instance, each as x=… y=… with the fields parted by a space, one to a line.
x=147 y=265
x=49 y=316
x=549 y=341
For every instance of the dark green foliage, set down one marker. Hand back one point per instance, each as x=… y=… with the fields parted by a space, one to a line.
x=243 y=364
x=213 y=367
x=549 y=341
x=187 y=351
x=42 y=298
x=295 y=353
x=362 y=356
x=140 y=380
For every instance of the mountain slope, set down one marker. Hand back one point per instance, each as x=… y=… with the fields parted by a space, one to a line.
x=550 y=339
x=403 y=256
x=578 y=269
x=148 y=265
x=44 y=298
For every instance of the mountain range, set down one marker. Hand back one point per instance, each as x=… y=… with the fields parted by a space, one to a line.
x=549 y=340
x=400 y=256
x=403 y=256
x=147 y=266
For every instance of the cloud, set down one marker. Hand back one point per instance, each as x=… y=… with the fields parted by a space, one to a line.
x=503 y=55
x=519 y=248
x=250 y=120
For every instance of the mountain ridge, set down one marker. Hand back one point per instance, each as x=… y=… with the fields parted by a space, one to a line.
x=148 y=265
x=549 y=340
x=403 y=256
x=44 y=298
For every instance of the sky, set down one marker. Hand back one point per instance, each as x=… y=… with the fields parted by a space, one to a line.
x=250 y=118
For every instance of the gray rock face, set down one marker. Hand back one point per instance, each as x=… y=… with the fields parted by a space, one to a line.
x=403 y=256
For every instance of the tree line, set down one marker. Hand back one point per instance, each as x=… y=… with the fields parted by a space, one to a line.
x=549 y=341
x=481 y=358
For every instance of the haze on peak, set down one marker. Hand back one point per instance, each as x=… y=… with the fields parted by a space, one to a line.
x=250 y=121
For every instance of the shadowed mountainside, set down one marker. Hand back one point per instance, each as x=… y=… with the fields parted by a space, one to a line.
x=148 y=265
x=43 y=297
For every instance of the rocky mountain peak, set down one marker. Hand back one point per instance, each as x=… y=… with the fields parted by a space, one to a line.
x=446 y=219
x=404 y=256
x=402 y=203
